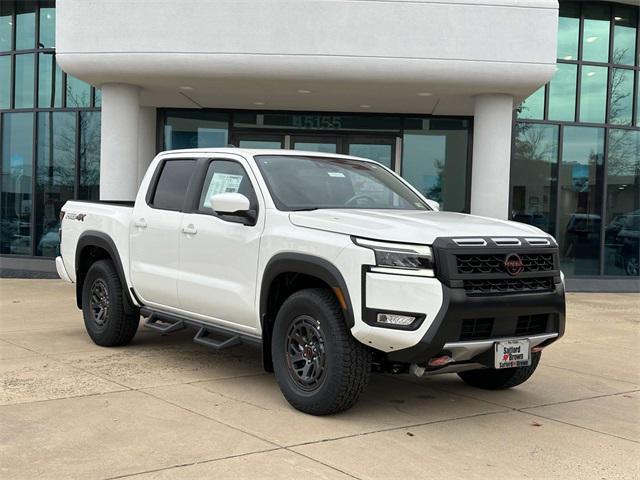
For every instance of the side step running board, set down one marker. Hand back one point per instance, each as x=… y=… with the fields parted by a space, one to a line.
x=163 y=326
x=203 y=338
x=211 y=336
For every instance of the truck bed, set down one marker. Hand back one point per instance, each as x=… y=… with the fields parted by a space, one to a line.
x=110 y=218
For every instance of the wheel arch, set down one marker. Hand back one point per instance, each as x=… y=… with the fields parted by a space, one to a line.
x=311 y=271
x=93 y=246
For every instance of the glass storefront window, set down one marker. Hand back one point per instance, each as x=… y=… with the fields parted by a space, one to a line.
x=319 y=145
x=568 y=30
x=379 y=152
x=622 y=228
x=562 y=93
x=6 y=26
x=624 y=35
x=5 y=81
x=534 y=181
x=97 y=97
x=593 y=94
x=637 y=99
x=16 y=195
x=89 y=188
x=580 y=200
x=189 y=129
x=25 y=25
x=621 y=103
x=55 y=176
x=533 y=106
x=24 y=81
x=49 y=81
x=63 y=162
x=47 y=25
x=78 y=92
x=434 y=160
x=595 y=36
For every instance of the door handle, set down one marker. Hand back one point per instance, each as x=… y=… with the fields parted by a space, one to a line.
x=140 y=223
x=190 y=229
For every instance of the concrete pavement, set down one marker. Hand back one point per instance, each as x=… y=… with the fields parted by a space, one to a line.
x=166 y=408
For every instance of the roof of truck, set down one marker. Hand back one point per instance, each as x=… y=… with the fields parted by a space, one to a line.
x=254 y=152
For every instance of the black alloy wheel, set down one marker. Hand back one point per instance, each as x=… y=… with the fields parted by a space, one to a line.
x=99 y=303
x=306 y=353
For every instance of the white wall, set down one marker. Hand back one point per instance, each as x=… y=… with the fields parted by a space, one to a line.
x=232 y=53
x=441 y=57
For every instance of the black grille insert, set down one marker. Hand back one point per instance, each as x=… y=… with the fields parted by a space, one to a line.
x=532 y=324
x=494 y=263
x=508 y=285
x=476 y=328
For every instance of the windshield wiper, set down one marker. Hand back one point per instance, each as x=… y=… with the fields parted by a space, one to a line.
x=307 y=209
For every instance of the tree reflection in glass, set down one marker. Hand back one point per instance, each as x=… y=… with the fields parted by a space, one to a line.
x=622 y=230
x=534 y=181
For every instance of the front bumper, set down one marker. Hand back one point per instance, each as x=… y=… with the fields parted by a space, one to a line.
x=445 y=334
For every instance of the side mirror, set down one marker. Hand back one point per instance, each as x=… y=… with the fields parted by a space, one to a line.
x=229 y=203
x=434 y=205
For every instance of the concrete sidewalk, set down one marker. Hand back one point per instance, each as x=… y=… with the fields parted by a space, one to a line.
x=165 y=408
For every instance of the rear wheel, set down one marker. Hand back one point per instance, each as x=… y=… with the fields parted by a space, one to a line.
x=491 y=379
x=321 y=369
x=103 y=307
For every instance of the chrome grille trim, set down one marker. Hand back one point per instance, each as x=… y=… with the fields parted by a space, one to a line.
x=470 y=242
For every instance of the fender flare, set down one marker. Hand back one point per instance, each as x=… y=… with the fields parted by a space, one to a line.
x=307 y=265
x=94 y=238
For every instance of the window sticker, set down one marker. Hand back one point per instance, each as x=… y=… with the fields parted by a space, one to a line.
x=222 y=183
x=336 y=174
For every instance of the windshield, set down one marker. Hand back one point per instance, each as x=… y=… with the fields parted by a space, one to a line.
x=309 y=183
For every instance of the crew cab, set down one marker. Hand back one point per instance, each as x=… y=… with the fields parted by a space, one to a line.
x=333 y=265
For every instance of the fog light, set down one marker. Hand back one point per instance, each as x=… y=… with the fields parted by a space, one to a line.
x=395 y=319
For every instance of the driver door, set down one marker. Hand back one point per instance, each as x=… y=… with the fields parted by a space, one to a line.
x=219 y=253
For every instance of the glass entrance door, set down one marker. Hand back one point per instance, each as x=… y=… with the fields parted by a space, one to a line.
x=251 y=140
x=315 y=143
x=381 y=150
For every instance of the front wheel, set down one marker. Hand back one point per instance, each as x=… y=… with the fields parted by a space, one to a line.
x=320 y=368
x=103 y=308
x=491 y=379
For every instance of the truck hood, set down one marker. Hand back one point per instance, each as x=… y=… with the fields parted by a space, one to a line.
x=409 y=226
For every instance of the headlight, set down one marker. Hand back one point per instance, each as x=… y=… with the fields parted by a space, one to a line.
x=400 y=258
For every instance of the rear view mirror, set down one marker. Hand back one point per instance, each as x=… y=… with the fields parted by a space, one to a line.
x=230 y=203
x=434 y=205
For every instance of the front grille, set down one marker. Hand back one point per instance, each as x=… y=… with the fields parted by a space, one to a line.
x=476 y=328
x=508 y=285
x=532 y=324
x=495 y=263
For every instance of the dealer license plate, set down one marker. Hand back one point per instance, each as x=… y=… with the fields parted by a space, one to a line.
x=512 y=353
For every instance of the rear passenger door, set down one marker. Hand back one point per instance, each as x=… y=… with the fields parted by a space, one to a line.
x=155 y=233
x=219 y=253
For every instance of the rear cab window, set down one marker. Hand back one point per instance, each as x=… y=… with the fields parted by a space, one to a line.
x=172 y=184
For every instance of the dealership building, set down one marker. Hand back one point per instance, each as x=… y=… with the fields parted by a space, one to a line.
x=515 y=109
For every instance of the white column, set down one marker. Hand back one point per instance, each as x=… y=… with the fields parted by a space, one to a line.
x=146 y=140
x=491 y=160
x=119 y=142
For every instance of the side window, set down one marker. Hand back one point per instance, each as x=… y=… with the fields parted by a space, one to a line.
x=172 y=184
x=226 y=176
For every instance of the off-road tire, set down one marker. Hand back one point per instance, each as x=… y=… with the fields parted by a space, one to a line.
x=117 y=327
x=491 y=379
x=347 y=363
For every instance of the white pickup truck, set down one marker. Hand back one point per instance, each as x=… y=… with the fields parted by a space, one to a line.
x=333 y=265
